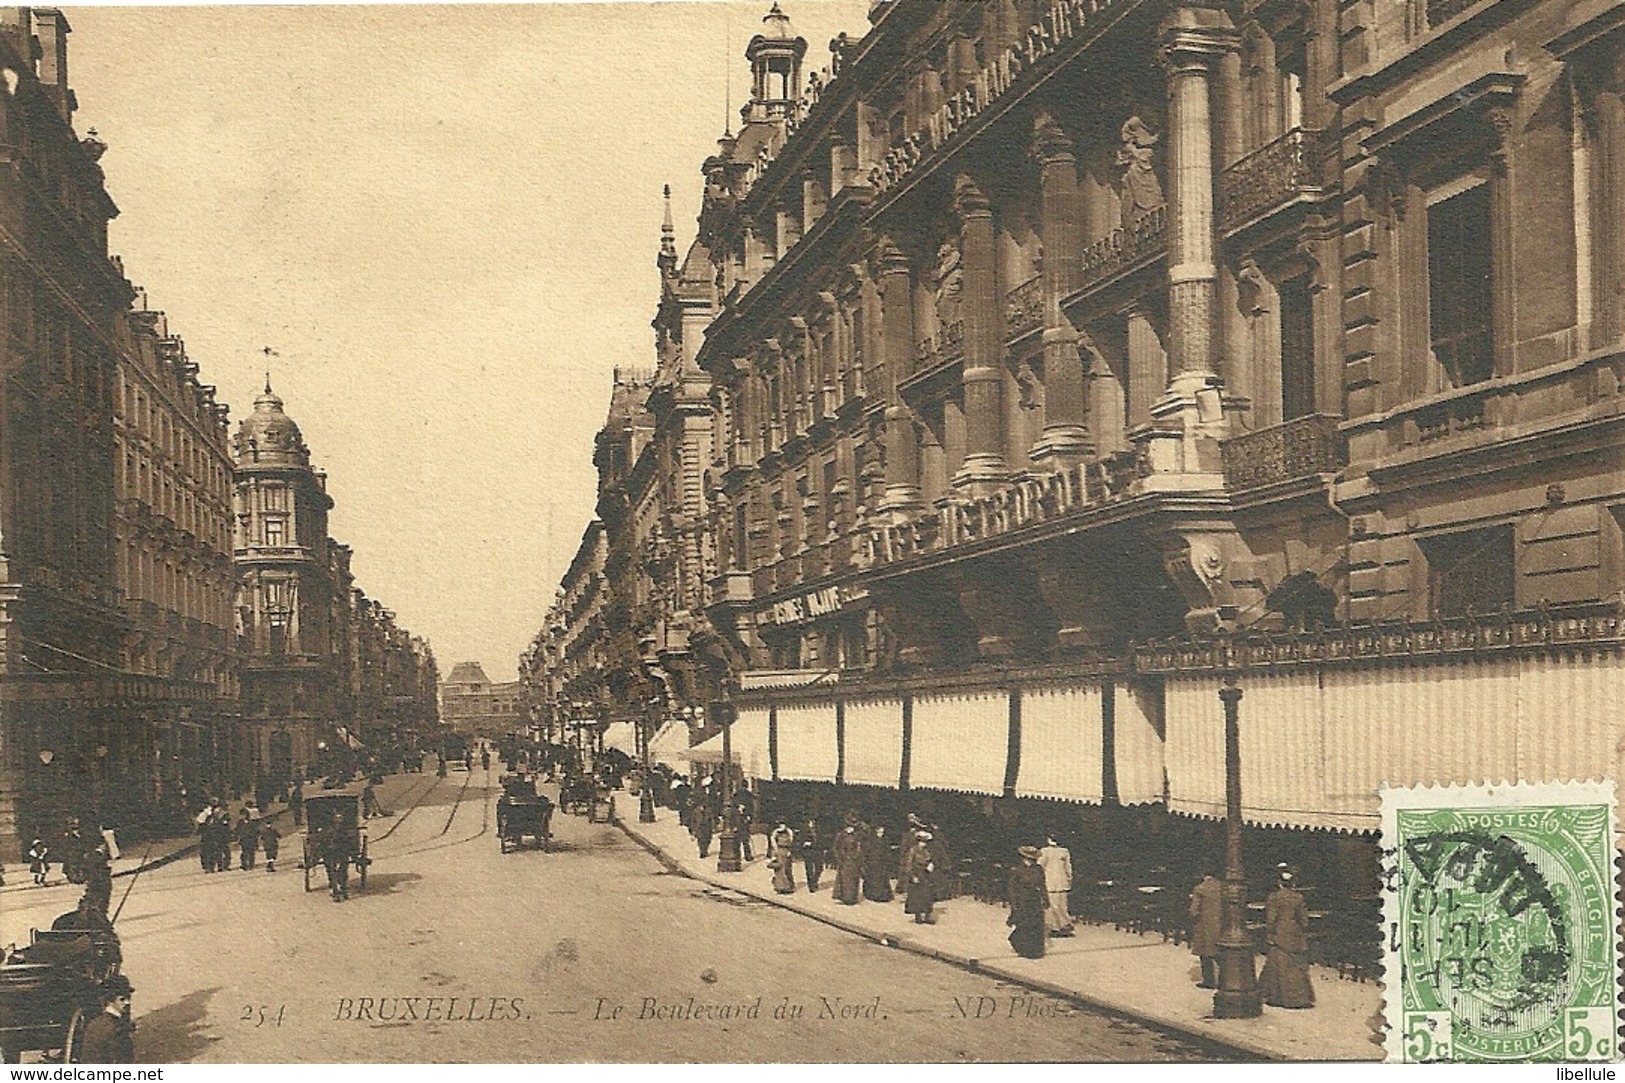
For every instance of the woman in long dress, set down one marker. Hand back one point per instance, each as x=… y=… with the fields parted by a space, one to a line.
x=922 y=881
x=1284 y=981
x=1028 y=901
x=848 y=862
x=781 y=847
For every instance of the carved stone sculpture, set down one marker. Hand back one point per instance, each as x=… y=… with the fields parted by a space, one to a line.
x=1142 y=191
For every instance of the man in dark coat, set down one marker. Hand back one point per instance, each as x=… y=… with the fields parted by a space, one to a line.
x=703 y=824
x=1207 y=905
x=923 y=870
x=848 y=850
x=1028 y=901
x=109 y=1036
x=877 y=865
x=99 y=879
x=296 y=803
x=248 y=838
x=271 y=843
x=810 y=845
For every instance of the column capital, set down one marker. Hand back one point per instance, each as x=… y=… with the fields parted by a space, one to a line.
x=969 y=199
x=889 y=259
x=1051 y=143
x=1192 y=50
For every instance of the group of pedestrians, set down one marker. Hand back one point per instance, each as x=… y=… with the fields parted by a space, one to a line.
x=1284 y=980
x=251 y=833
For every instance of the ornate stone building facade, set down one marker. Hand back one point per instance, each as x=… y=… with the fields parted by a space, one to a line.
x=474 y=705
x=175 y=577
x=566 y=662
x=321 y=661
x=1071 y=358
x=62 y=682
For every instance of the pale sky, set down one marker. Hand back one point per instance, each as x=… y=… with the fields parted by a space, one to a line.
x=444 y=219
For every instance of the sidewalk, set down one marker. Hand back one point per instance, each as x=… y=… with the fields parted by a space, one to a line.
x=1140 y=976
x=154 y=853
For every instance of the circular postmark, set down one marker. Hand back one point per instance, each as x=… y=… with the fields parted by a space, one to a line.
x=1506 y=929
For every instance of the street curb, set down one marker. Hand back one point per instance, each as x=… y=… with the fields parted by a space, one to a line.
x=1239 y=1045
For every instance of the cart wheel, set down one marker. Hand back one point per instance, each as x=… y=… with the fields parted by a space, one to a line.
x=70 y=1041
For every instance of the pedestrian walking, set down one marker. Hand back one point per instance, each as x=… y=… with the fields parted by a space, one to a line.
x=921 y=897
x=98 y=879
x=743 y=805
x=1056 y=861
x=39 y=861
x=221 y=824
x=810 y=844
x=877 y=865
x=248 y=840
x=1284 y=981
x=296 y=802
x=271 y=843
x=1027 y=900
x=848 y=862
x=369 y=801
x=679 y=800
x=781 y=850
x=109 y=1037
x=703 y=826
x=1207 y=906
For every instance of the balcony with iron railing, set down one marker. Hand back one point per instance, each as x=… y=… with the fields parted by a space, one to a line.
x=1302 y=447
x=1272 y=176
x=1126 y=248
x=1024 y=308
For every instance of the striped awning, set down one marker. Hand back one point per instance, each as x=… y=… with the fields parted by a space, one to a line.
x=1318 y=746
x=668 y=744
x=960 y=742
x=1138 y=751
x=747 y=741
x=1061 y=744
x=806 y=742
x=873 y=732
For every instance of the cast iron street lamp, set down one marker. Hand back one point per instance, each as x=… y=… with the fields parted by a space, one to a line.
x=646 y=793
x=1237 y=996
x=728 y=841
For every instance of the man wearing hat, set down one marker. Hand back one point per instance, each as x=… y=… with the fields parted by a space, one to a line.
x=110 y=1036
x=848 y=849
x=1027 y=904
x=1056 y=861
x=920 y=896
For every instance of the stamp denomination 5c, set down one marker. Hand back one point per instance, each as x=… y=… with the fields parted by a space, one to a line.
x=1500 y=923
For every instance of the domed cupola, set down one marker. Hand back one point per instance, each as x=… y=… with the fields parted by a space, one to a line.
x=269 y=436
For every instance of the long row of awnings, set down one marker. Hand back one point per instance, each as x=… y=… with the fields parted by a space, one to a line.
x=1317 y=743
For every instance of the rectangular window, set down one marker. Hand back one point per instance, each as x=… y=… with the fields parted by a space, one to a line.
x=273 y=531
x=741 y=537
x=1460 y=293
x=1470 y=571
x=1297 y=349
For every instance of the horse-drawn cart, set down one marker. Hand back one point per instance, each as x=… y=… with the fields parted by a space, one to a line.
x=522 y=816
x=335 y=825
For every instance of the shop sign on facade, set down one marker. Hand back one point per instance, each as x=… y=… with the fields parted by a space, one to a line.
x=811 y=606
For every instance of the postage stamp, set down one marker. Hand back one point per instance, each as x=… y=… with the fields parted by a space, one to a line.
x=1501 y=918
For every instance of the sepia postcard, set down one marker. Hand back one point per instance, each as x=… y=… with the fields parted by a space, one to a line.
x=812 y=532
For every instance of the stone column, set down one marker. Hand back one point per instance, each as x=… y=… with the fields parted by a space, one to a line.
x=902 y=493
x=1147 y=365
x=1066 y=439
x=984 y=466
x=1189 y=420
x=1609 y=314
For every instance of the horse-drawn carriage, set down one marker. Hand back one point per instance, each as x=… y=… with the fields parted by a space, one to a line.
x=335 y=819
x=50 y=989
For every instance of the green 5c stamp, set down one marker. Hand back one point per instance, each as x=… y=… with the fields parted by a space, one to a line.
x=1500 y=923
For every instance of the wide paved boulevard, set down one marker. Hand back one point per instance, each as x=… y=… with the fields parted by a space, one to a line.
x=590 y=952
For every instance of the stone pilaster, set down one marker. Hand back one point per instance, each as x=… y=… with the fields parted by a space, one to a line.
x=1066 y=439
x=902 y=493
x=984 y=467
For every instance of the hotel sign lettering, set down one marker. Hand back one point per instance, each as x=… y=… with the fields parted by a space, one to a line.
x=810 y=606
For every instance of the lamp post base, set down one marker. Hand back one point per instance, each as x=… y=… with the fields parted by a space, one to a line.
x=1238 y=996
x=728 y=851
x=646 y=805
